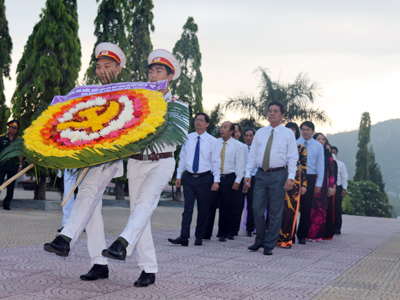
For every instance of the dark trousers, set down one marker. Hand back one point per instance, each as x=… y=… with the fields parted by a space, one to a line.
x=10 y=187
x=269 y=194
x=237 y=210
x=200 y=189
x=250 y=216
x=338 y=208
x=223 y=197
x=305 y=208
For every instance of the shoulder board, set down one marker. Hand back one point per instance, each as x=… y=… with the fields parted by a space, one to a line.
x=2 y=135
x=173 y=99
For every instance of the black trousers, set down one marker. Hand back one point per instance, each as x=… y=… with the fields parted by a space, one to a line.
x=305 y=208
x=338 y=208
x=222 y=198
x=10 y=187
x=237 y=210
x=250 y=216
x=200 y=189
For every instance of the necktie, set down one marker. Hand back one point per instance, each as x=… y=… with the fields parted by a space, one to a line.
x=223 y=157
x=249 y=148
x=267 y=153
x=196 y=158
x=305 y=145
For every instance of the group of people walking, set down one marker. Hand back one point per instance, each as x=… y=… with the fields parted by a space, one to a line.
x=271 y=174
x=277 y=173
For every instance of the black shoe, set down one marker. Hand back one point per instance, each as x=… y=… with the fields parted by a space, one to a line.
x=145 y=279
x=302 y=241
x=249 y=233
x=267 y=251
x=255 y=247
x=230 y=237
x=6 y=208
x=59 y=246
x=338 y=232
x=59 y=230
x=96 y=272
x=115 y=251
x=179 y=241
x=222 y=239
x=198 y=242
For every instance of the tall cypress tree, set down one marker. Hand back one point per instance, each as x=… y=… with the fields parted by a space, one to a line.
x=139 y=24
x=375 y=174
x=5 y=62
x=110 y=27
x=50 y=62
x=363 y=155
x=188 y=87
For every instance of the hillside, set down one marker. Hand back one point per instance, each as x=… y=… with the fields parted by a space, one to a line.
x=385 y=139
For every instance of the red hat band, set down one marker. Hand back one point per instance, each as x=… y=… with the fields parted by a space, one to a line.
x=13 y=124
x=163 y=61
x=108 y=53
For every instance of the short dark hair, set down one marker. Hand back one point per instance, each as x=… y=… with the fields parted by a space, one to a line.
x=169 y=70
x=334 y=147
x=281 y=106
x=308 y=124
x=240 y=127
x=250 y=129
x=206 y=117
x=292 y=125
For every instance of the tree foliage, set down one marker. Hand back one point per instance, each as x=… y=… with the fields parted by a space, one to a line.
x=363 y=155
x=375 y=174
x=139 y=23
x=298 y=99
x=5 y=62
x=188 y=87
x=367 y=199
x=216 y=115
x=50 y=62
x=110 y=26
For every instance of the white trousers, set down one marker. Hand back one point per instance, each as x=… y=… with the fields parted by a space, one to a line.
x=69 y=181
x=146 y=182
x=86 y=210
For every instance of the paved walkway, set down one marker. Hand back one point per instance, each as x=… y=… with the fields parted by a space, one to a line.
x=362 y=263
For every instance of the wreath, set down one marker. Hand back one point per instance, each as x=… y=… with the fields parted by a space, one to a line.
x=101 y=128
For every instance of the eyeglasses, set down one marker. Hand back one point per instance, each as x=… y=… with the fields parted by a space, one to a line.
x=199 y=120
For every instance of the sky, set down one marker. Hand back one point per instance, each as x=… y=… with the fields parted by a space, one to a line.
x=351 y=48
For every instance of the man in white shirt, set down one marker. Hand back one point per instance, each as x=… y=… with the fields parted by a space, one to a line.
x=248 y=191
x=148 y=175
x=274 y=152
x=315 y=177
x=200 y=163
x=341 y=188
x=232 y=166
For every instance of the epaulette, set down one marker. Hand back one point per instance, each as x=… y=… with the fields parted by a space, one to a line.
x=178 y=101
x=2 y=135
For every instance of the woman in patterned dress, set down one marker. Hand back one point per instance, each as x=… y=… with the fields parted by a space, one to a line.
x=319 y=205
x=292 y=199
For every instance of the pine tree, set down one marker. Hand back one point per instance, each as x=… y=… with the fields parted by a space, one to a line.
x=188 y=87
x=363 y=155
x=5 y=62
x=139 y=24
x=375 y=174
x=50 y=62
x=110 y=27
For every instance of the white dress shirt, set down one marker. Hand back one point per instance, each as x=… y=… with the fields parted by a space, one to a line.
x=246 y=152
x=209 y=156
x=234 y=160
x=342 y=175
x=315 y=159
x=284 y=150
x=171 y=148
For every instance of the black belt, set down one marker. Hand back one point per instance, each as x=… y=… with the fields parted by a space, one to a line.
x=227 y=175
x=152 y=156
x=198 y=175
x=273 y=169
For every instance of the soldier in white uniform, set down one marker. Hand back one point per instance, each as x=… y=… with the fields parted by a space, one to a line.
x=147 y=177
x=110 y=60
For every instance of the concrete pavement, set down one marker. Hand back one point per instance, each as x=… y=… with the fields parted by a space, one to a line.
x=362 y=263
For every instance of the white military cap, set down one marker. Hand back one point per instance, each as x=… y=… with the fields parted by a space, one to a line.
x=164 y=57
x=110 y=50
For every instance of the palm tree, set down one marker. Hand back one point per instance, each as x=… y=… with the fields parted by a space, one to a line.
x=298 y=98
